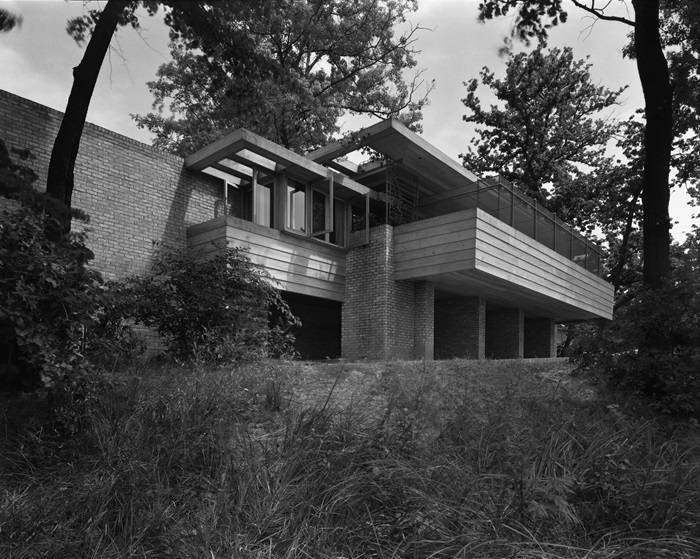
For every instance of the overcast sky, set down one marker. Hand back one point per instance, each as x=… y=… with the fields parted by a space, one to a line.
x=36 y=62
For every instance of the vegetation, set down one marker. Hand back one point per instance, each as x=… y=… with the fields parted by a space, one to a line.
x=217 y=309
x=659 y=29
x=666 y=372
x=529 y=140
x=322 y=59
x=461 y=459
x=52 y=303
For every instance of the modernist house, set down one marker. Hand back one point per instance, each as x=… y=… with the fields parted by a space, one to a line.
x=408 y=255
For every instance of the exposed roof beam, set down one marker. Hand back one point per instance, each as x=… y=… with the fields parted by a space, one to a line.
x=255 y=151
x=344 y=166
x=214 y=172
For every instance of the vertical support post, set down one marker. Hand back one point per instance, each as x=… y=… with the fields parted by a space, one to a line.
x=512 y=208
x=225 y=197
x=329 y=225
x=255 y=196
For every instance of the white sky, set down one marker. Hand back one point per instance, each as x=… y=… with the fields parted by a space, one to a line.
x=36 y=62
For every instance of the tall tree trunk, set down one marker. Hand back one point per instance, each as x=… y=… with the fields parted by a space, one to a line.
x=658 y=139
x=60 y=179
x=616 y=274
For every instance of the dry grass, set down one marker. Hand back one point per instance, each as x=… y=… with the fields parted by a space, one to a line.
x=450 y=459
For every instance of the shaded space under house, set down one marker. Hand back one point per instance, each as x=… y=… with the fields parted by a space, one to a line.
x=407 y=255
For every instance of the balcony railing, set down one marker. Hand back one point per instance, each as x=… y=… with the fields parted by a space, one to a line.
x=505 y=202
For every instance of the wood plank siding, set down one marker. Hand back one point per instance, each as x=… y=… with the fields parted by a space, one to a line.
x=297 y=264
x=474 y=253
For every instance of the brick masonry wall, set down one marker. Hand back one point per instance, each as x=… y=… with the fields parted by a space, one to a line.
x=504 y=333
x=383 y=318
x=540 y=337
x=460 y=327
x=133 y=193
x=424 y=320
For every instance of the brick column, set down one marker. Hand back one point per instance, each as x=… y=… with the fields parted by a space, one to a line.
x=365 y=314
x=505 y=337
x=540 y=337
x=460 y=327
x=424 y=320
x=383 y=318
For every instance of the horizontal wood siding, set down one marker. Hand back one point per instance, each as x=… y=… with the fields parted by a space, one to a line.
x=503 y=252
x=436 y=245
x=476 y=244
x=297 y=264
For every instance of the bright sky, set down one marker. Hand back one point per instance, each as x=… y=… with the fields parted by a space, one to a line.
x=36 y=62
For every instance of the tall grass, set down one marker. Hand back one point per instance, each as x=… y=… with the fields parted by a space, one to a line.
x=482 y=463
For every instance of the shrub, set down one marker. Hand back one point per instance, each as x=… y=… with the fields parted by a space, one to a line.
x=652 y=348
x=217 y=309
x=53 y=306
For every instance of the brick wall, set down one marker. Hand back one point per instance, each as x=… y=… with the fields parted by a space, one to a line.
x=504 y=333
x=383 y=318
x=460 y=327
x=133 y=193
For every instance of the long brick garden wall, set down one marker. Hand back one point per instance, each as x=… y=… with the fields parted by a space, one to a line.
x=133 y=193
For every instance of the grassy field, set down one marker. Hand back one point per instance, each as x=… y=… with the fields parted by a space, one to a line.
x=388 y=460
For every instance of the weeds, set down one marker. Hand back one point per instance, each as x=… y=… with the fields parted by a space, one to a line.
x=463 y=463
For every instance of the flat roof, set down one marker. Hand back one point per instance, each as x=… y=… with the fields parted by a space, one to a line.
x=392 y=138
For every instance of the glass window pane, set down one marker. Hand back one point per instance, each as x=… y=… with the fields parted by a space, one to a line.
x=263 y=205
x=357 y=209
x=545 y=230
x=296 y=207
x=523 y=216
x=337 y=236
x=319 y=202
x=505 y=204
x=563 y=241
x=578 y=254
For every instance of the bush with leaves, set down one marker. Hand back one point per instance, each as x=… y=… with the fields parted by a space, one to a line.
x=652 y=348
x=221 y=308
x=52 y=304
x=57 y=318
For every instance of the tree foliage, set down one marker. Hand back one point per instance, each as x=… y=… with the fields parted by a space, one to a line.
x=660 y=29
x=311 y=61
x=9 y=20
x=529 y=139
x=53 y=317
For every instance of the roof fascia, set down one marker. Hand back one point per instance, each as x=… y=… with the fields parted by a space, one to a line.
x=242 y=139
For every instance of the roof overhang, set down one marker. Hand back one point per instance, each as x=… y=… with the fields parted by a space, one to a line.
x=240 y=152
x=394 y=140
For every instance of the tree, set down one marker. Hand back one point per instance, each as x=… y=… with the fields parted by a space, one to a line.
x=322 y=58
x=535 y=17
x=529 y=140
x=60 y=177
x=8 y=20
x=101 y=25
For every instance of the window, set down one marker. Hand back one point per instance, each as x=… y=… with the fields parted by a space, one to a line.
x=296 y=207
x=319 y=215
x=262 y=210
x=337 y=236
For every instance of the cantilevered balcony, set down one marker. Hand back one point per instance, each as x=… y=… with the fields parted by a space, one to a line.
x=471 y=252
